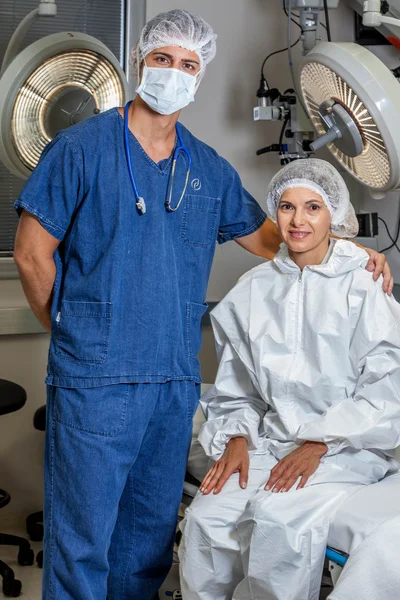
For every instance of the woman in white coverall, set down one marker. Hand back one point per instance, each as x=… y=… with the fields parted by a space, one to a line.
x=306 y=401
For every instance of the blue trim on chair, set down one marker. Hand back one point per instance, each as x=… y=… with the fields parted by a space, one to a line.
x=336 y=557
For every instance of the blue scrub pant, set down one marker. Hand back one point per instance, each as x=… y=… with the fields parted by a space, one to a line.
x=115 y=463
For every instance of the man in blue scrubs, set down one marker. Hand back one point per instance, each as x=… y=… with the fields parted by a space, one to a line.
x=122 y=291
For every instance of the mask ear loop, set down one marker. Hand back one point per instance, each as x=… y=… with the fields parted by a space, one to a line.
x=138 y=64
x=140 y=81
x=199 y=77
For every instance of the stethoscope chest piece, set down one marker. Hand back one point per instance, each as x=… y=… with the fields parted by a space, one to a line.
x=141 y=205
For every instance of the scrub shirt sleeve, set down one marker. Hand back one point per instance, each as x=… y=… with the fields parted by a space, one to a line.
x=233 y=406
x=55 y=187
x=241 y=214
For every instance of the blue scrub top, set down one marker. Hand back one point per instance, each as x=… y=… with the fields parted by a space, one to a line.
x=130 y=289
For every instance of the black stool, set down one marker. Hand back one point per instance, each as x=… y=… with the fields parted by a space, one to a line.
x=12 y=398
x=34 y=522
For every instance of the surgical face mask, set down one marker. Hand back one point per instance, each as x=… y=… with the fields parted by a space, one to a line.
x=166 y=90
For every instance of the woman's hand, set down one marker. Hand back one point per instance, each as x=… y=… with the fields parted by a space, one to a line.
x=235 y=459
x=379 y=265
x=302 y=462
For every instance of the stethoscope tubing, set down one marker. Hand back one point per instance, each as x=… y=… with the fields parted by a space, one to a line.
x=180 y=149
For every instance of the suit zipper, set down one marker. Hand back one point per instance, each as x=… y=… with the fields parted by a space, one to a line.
x=299 y=313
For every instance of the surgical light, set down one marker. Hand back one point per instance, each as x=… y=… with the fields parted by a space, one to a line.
x=52 y=84
x=353 y=101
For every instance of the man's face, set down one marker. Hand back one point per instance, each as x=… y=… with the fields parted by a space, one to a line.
x=173 y=57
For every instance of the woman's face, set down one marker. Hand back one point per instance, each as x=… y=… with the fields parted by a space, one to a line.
x=303 y=219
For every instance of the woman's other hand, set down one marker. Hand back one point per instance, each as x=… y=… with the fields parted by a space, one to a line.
x=302 y=462
x=235 y=459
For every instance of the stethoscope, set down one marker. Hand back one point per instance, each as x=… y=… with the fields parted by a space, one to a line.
x=179 y=149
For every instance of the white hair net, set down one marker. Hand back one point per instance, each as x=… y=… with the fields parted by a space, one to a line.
x=176 y=28
x=321 y=177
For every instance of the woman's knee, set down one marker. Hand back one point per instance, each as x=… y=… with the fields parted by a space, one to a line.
x=207 y=524
x=200 y=517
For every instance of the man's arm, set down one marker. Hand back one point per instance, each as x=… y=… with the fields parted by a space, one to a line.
x=379 y=265
x=265 y=242
x=34 y=256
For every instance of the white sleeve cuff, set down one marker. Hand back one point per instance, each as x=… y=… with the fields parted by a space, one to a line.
x=334 y=447
x=214 y=436
x=309 y=433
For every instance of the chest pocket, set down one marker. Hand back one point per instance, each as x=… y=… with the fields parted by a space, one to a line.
x=200 y=220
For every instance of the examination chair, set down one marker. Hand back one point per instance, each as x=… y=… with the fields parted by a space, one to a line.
x=12 y=398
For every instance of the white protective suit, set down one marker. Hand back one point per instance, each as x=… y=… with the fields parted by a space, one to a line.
x=310 y=355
